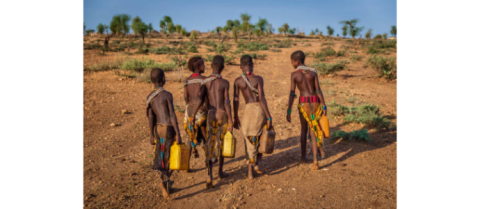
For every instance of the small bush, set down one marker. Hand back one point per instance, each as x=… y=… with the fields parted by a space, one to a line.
x=360 y=135
x=180 y=61
x=210 y=43
x=284 y=44
x=341 y=53
x=328 y=44
x=238 y=51
x=384 y=66
x=142 y=65
x=276 y=50
x=252 y=46
x=221 y=48
x=193 y=49
x=256 y=56
x=168 y=50
x=356 y=57
x=326 y=69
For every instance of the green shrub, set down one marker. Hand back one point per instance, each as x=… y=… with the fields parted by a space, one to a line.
x=337 y=109
x=180 y=61
x=238 y=51
x=360 y=135
x=256 y=56
x=356 y=57
x=168 y=50
x=142 y=65
x=384 y=66
x=193 y=49
x=284 y=44
x=326 y=69
x=276 y=50
x=252 y=46
x=341 y=53
x=210 y=43
x=328 y=44
x=221 y=48
x=91 y=46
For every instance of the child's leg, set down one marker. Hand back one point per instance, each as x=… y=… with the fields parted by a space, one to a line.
x=209 y=179
x=303 y=137
x=314 y=150
x=165 y=192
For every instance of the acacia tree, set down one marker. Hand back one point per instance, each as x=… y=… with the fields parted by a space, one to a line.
x=353 y=29
x=100 y=29
x=218 y=29
x=281 y=30
x=106 y=28
x=119 y=24
x=330 y=30
x=368 y=34
x=385 y=35
x=163 y=25
x=246 y=25
x=140 y=28
x=150 y=28
x=394 y=31
x=235 y=30
x=136 y=20
x=262 y=25
x=344 y=30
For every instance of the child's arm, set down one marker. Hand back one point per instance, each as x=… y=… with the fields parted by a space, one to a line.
x=185 y=94
x=236 y=91
x=151 y=123
x=319 y=93
x=228 y=108
x=291 y=97
x=173 y=117
x=263 y=103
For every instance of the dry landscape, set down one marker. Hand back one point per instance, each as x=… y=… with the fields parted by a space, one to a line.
x=356 y=172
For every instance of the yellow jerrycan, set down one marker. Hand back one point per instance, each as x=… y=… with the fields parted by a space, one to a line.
x=324 y=125
x=229 y=145
x=179 y=156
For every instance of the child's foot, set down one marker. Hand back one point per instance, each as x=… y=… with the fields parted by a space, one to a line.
x=258 y=169
x=165 y=193
x=209 y=184
x=315 y=165
x=222 y=175
x=250 y=172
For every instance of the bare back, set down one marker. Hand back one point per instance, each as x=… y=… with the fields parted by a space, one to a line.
x=247 y=93
x=161 y=107
x=217 y=93
x=305 y=82
x=193 y=91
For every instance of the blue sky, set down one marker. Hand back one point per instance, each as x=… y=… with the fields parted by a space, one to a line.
x=378 y=15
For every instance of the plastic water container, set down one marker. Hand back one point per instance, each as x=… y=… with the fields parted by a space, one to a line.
x=267 y=141
x=229 y=145
x=179 y=156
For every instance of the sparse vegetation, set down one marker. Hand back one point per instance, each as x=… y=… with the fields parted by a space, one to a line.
x=384 y=66
x=326 y=69
x=141 y=65
x=283 y=44
x=257 y=56
x=252 y=46
x=356 y=57
x=360 y=135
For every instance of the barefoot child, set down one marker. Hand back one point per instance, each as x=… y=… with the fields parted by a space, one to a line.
x=219 y=117
x=194 y=92
x=163 y=127
x=310 y=105
x=256 y=114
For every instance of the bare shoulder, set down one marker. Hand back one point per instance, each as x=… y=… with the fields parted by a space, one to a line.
x=239 y=79
x=225 y=82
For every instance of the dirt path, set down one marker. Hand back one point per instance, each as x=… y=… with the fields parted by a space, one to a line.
x=117 y=159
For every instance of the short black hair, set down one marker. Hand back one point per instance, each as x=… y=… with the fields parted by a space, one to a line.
x=246 y=60
x=157 y=75
x=218 y=62
x=194 y=63
x=298 y=56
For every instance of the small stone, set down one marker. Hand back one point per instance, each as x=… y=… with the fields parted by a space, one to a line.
x=294 y=189
x=113 y=125
x=279 y=190
x=124 y=112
